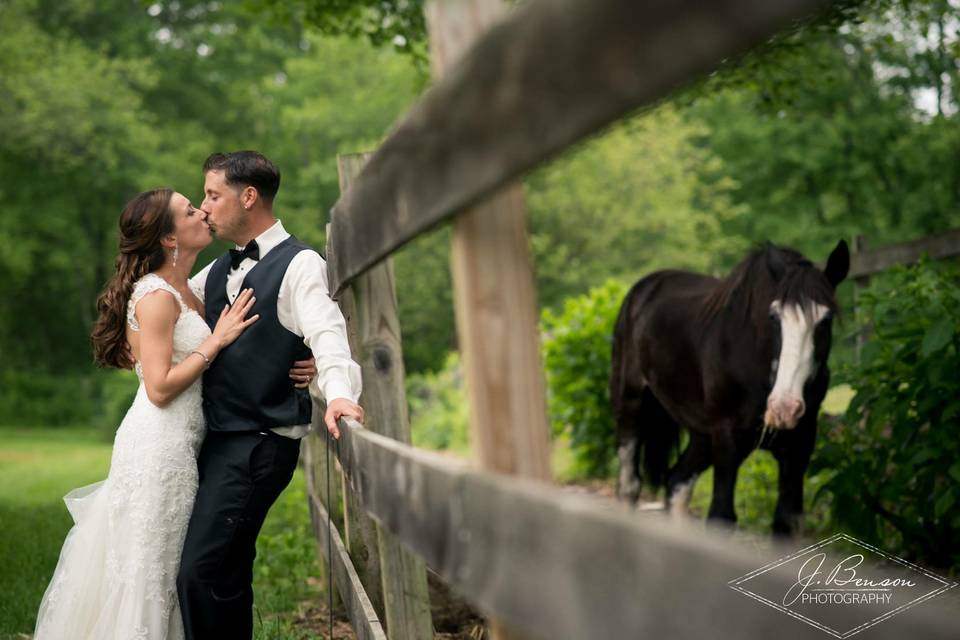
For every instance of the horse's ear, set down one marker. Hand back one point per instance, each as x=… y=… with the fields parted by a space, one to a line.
x=775 y=262
x=838 y=264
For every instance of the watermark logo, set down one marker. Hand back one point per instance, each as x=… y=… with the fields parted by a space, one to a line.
x=841 y=585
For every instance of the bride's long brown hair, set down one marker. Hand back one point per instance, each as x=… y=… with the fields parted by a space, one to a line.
x=144 y=221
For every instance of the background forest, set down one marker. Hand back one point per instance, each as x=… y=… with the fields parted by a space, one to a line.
x=848 y=126
x=845 y=128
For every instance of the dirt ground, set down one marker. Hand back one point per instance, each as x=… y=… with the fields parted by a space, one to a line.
x=453 y=617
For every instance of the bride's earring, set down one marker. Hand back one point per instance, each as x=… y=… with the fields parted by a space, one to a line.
x=176 y=252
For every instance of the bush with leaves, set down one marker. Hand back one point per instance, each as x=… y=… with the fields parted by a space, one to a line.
x=576 y=350
x=894 y=459
x=438 y=408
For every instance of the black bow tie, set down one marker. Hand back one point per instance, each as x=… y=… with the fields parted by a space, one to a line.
x=252 y=251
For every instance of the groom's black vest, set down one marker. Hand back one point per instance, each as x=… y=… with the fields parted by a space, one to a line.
x=247 y=387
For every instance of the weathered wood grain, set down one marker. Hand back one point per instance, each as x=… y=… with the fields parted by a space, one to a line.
x=556 y=565
x=398 y=577
x=360 y=532
x=494 y=296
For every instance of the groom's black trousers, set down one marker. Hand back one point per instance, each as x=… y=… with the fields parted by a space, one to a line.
x=241 y=475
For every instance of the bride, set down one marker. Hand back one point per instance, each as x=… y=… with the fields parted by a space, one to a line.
x=116 y=577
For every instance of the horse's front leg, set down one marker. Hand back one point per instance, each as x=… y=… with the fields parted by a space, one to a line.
x=726 y=463
x=792 y=459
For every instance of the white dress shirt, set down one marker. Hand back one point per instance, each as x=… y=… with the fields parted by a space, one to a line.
x=304 y=307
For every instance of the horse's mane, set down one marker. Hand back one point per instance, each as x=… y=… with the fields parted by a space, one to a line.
x=768 y=272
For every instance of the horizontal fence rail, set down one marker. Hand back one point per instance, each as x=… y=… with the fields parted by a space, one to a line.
x=556 y=565
x=871 y=261
x=552 y=73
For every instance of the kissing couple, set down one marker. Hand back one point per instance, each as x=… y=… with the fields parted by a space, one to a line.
x=163 y=549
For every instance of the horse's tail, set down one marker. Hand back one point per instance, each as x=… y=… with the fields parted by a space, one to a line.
x=616 y=362
x=617 y=384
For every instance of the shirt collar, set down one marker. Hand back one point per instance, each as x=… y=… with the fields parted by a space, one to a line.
x=270 y=238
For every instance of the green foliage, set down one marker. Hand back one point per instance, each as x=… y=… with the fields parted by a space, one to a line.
x=628 y=202
x=438 y=408
x=286 y=574
x=425 y=301
x=894 y=457
x=755 y=498
x=821 y=138
x=843 y=130
x=34 y=398
x=577 y=350
x=31 y=398
x=118 y=388
x=398 y=23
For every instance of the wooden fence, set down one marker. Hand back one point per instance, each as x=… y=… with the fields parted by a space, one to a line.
x=866 y=262
x=512 y=91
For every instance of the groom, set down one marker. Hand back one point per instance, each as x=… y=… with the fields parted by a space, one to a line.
x=255 y=415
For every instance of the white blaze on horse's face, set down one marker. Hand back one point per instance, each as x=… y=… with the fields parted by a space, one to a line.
x=795 y=363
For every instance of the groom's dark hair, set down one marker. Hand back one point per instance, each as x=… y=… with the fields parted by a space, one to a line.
x=247 y=168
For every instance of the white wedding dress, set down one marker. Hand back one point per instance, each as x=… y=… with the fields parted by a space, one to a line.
x=116 y=578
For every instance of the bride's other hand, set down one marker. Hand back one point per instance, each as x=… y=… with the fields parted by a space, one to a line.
x=303 y=372
x=233 y=319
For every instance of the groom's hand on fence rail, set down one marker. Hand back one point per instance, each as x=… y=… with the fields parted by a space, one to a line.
x=341 y=408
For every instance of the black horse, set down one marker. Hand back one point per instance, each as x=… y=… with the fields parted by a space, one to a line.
x=740 y=362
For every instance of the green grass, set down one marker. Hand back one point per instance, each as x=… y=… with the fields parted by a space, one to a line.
x=39 y=466
x=756 y=495
x=286 y=576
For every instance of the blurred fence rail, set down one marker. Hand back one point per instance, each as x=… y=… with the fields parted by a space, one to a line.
x=513 y=90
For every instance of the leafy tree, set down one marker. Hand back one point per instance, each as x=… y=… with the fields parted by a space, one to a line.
x=75 y=139
x=894 y=460
x=830 y=134
x=438 y=408
x=631 y=201
x=397 y=23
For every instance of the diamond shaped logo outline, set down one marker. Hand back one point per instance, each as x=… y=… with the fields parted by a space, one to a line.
x=736 y=583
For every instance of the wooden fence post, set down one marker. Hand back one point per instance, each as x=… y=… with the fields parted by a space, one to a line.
x=374 y=330
x=359 y=530
x=494 y=295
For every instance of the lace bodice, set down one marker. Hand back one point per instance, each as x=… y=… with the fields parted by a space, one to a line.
x=190 y=329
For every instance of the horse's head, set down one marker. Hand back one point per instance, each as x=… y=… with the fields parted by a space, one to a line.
x=801 y=318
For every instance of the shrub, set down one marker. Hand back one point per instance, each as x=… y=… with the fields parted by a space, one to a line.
x=576 y=347
x=438 y=408
x=894 y=459
x=37 y=398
